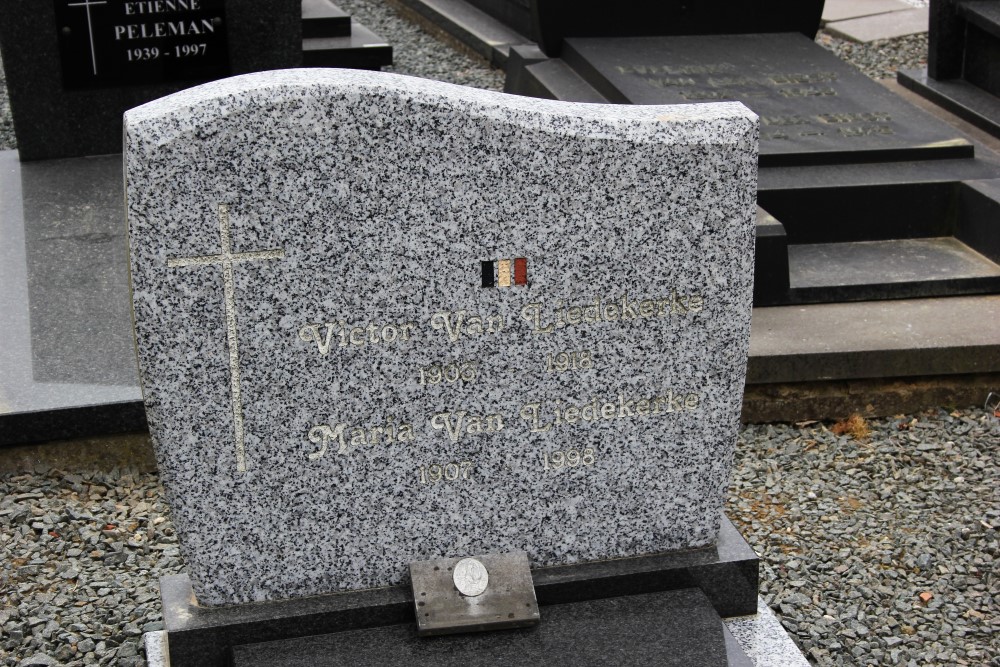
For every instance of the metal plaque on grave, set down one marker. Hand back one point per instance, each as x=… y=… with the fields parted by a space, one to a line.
x=121 y=42
x=813 y=107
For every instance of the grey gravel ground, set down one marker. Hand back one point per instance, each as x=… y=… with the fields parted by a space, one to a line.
x=852 y=531
x=880 y=59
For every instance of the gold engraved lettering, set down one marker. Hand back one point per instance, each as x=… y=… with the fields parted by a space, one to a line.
x=814 y=77
x=459 y=423
x=449 y=472
x=458 y=324
x=349 y=437
x=668 y=82
x=570 y=458
x=868 y=117
x=226 y=259
x=621 y=309
x=864 y=130
x=810 y=91
x=568 y=361
x=677 y=70
x=719 y=81
x=530 y=413
x=540 y=421
x=696 y=94
x=324 y=434
x=449 y=372
x=356 y=336
x=784 y=120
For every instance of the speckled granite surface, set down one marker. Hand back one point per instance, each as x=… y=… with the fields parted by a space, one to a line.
x=332 y=391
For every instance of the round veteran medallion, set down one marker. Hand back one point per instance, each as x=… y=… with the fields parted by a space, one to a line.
x=471 y=577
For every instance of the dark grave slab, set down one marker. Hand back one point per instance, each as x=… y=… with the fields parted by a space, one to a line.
x=814 y=108
x=866 y=232
x=671 y=628
x=518 y=15
x=722 y=579
x=67 y=362
x=963 y=64
x=558 y=20
x=493 y=27
x=322 y=18
x=331 y=38
x=825 y=234
x=73 y=68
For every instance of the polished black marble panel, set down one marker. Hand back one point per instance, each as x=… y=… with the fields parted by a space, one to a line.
x=52 y=121
x=814 y=108
x=670 y=628
x=556 y=20
x=963 y=62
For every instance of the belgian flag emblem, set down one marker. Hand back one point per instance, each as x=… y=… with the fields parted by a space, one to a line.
x=497 y=272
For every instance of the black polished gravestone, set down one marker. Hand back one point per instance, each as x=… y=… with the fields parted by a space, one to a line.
x=557 y=20
x=74 y=66
x=548 y=22
x=331 y=38
x=963 y=61
x=864 y=196
x=814 y=108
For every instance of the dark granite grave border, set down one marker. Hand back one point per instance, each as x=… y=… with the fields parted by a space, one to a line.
x=202 y=636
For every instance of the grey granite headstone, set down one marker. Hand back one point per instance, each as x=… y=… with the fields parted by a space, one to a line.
x=382 y=319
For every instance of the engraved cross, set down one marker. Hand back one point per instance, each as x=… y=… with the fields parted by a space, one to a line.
x=226 y=259
x=87 y=4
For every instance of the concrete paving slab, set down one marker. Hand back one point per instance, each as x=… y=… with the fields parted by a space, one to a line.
x=841 y=10
x=881 y=26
